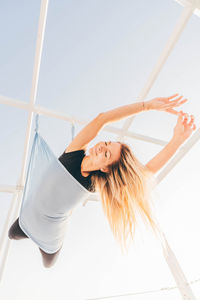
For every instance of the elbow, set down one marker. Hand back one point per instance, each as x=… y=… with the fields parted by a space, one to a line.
x=151 y=169
x=102 y=118
x=100 y=115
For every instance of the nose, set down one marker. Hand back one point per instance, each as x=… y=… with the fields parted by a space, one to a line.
x=99 y=149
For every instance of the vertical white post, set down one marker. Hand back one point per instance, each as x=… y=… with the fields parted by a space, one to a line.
x=39 y=44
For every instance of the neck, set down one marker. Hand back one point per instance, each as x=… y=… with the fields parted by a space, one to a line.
x=87 y=166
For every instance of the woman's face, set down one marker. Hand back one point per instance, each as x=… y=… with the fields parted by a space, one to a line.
x=105 y=153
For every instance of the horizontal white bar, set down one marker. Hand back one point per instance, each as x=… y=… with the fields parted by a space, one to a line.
x=59 y=115
x=10 y=188
x=196 y=3
x=13 y=102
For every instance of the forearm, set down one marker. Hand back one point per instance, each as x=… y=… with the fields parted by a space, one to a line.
x=164 y=155
x=122 y=112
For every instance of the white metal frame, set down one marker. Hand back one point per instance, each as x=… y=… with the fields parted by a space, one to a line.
x=190 y=6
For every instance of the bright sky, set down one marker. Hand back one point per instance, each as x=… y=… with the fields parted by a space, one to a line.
x=98 y=55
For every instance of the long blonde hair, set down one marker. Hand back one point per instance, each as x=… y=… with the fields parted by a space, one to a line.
x=125 y=191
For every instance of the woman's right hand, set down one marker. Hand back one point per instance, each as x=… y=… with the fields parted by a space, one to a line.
x=183 y=130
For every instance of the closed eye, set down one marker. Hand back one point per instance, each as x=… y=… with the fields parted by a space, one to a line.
x=107 y=151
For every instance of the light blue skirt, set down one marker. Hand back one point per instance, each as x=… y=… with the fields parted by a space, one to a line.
x=50 y=195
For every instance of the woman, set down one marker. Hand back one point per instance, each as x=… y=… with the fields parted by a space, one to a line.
x=114 y=172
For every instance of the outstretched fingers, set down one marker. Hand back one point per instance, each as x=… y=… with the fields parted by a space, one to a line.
x=172 y=96
x=192 y=120
x=177 y=101
x=172 y=111
x=169 y=104
x=191 y=123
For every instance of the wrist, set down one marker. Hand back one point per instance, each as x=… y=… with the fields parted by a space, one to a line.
x=176 y=141
x=146 y=105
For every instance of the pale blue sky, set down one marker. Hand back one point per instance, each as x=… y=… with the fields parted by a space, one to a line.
x=98 y=55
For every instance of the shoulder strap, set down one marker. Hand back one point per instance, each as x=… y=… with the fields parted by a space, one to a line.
x=37 y=123
x=73 y=130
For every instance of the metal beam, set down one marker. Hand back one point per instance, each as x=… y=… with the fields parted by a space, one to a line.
x=62 y=116
x=39 y=44
x=31 y=107
x=186 y=14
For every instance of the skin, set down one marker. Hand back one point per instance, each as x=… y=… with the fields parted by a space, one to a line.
x=100 y=156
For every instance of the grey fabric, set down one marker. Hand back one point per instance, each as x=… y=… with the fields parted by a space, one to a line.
x=50 y=195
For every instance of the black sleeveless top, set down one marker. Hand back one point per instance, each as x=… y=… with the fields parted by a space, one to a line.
x=72 y=162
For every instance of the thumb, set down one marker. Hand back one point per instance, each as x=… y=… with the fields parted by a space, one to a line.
x=172 y=111
x=180 y=116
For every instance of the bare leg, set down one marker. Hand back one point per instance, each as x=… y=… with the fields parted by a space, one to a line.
x=15 y=232
x=49 y=259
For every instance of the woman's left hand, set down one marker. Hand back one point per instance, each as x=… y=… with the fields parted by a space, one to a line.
x=165 y=103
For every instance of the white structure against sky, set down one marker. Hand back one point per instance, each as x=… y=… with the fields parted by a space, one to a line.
x=190 y=7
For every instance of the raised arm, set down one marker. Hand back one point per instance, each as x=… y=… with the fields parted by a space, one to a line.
x=87 y=134
x=181 y=132
x=158 y=161
x=159 y=103
x=90 y=131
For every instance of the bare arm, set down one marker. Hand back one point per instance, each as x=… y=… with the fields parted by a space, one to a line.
x=160 y=103
x=124 y=111
x=182 y=131
x=157 y=162
x=90 y=131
